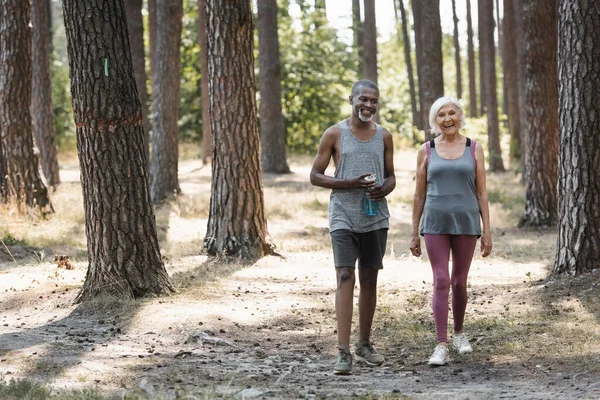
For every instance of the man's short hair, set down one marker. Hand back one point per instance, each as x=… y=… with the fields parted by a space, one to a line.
x=363 y=83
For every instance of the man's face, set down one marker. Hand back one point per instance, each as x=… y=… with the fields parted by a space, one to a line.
x=364 y=103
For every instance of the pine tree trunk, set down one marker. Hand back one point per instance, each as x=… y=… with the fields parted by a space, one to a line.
x=578 y=246
x=521 y=82
x=135 y=27
x=165 y=93
x=24 y=184
x=272 y=129
x=481 y=18
x=416 y=11
x=431 y=77
x=152 y=35
x=206 y=147
x=541 y=112
x=488 y=56
x=473 y=110
x=416 y=115
x=370 y=41
x=237 y=225
x=41 y=95
x=357 y=28
x=123 y=253
x=457 y=53
x=511 y=79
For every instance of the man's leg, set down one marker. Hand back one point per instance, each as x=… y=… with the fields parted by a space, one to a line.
x=367 y=300
x=343 y=304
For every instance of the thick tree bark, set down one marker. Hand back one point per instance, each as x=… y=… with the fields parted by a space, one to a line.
x=123 y=253
x=206 y=147
x=370 y=41
x=488 y=83
x=511 y=79
x=135 y=27
x=473 y=110
x=237 y=225
x=416 y=115
x=272 y=129
x=429 y=56
x=165 y=94
x=578 y=246
x=457 y=53
x=41 y=96
x=357 y=29
x=541 y=112
x=23 y=181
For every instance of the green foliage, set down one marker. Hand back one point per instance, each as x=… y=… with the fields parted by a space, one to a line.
x=9 y=240
x=62 y=109
x=316 y=76
x=23 y=389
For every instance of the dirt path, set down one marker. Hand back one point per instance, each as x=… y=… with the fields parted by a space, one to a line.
x=267 y=330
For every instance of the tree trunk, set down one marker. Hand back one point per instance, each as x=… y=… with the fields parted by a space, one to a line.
x=473 y=110
x=457 y=53
x=25 y=186
x=3 y=173
x=237 y=226
x=578 y=246
x=521 y=82
x=152 y=34
x=541 y=112
x=41 y=95
x=481 y=18
x=123 y=253
x=206 y=147
x=135 y=27
x=511 y=79
x=357 y=28
x=488 y=82
x=429 y=56
x=370 y=41
x=501 y=52
x=272 y=129
x=416 y=115
x=165 y=94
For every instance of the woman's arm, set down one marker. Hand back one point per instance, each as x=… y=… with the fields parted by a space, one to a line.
x=482 y=200
x=419 y=200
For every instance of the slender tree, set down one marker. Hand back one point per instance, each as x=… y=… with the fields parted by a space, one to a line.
x=206 y=147
x=416 y=115
x=578 y=246
x=237 y=225
x=482 y=17
x=272 y=129
x=457 y=52
x=152 y=22
x=123 y=253
x=429 y=55
x=521 y=82
x=511 y=79
x=541 y=112
x=23 y=182
x=357 y=29
x=370 y=41
x=165 y=95
x=473 y=110
x=135 y=27
x=41 y=95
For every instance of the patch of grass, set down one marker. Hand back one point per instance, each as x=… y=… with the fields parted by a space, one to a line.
x=507 y=200
x=23 y=389
x=315 y=205
x=10 y=240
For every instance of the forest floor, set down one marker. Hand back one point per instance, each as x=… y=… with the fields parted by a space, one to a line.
x=267 y=329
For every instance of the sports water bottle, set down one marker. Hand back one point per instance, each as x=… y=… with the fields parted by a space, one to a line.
x=370 y=207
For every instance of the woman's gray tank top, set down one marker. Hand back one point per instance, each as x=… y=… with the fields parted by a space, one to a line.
x=357 y=157
x=451 y=205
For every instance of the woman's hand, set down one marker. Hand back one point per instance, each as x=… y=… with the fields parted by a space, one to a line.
x=486 y=244
x=415 y=246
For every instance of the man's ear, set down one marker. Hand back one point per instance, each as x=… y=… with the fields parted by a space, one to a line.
x=350 y=98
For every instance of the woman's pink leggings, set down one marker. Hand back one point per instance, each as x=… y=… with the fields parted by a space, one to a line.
x=438 y=250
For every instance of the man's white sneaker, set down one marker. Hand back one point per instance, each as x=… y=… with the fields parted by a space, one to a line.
x=461 y=344
x=439 y=356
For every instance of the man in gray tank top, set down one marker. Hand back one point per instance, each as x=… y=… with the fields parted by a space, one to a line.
x=358 y=215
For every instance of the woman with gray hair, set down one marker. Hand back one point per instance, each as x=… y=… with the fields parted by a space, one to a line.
x=451 y=197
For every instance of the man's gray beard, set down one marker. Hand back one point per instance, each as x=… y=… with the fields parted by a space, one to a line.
x=363 y=118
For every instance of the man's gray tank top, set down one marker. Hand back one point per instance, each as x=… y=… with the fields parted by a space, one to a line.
x=451 y=205
x=358 y=157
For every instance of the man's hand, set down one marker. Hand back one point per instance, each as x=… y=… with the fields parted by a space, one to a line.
x=415 y=246
x=361 y=183
x=486 y=244
x=377 y=193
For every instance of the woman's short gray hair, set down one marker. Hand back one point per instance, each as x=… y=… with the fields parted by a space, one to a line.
x=435 y=107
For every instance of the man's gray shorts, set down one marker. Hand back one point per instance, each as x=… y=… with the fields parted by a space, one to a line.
x=367 y=247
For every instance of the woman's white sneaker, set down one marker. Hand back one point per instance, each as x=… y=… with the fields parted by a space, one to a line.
x=461 y=344
x=439 y=356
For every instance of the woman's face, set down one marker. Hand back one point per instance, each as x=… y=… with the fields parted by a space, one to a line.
x=448 y=119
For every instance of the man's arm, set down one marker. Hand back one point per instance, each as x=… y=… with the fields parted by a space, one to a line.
x=389 y=183
x=324 y=153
